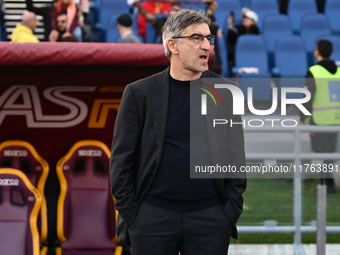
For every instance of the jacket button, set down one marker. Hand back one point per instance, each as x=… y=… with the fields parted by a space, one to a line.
x=154 y=172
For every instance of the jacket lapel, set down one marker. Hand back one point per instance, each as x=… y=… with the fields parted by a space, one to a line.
x=160 y=102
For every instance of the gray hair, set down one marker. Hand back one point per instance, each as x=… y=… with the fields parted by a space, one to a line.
x=176 y=24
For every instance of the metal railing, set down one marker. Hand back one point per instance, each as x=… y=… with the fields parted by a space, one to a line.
x=297 y=156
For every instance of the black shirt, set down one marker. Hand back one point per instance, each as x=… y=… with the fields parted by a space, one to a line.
x=172 y=187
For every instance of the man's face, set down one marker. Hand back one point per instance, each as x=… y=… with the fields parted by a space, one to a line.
x=248 y=22
x=32 y=23
x=194 y=56
x=316 y=52
x=62 y=22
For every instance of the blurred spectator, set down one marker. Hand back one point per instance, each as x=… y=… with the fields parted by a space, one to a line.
x=24 y=32
x=283 y=6
x=211 y=7
x=84 y=10
x=61 y=26
x=72 y=27
x=320 y=4
x=157 y=22
x=124 y=25
x=152 y=7
x=248 y=26
x=69 y=38
x=324 y=104
x=45 y=12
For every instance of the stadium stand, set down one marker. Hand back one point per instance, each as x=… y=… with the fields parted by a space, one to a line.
x=223 y=54
x=94 y=18
x=245 y=3
x=225 y=28
x=332 y=10
x=225 y=7
x=313 y=25
x=101 y=10
x=262 y=9
x=290 y=57
x=23 y=156
x=297 y=9
x=290 y=63
x=107 y=8
x=135 y=26
x=117 y=6
x=86 y=217
x=275 y=25
x=261 y=84
x=20 y=203
x=192 y=4
x=251 y=54
x=112 y=33
x=151 y=36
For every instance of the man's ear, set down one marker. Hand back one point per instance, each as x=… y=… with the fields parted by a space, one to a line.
x=173 y=46
x=316 y=53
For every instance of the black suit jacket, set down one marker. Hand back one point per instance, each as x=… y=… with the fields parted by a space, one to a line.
x=138 y=143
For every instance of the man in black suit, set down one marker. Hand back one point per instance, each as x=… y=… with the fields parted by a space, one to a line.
x=161 y=209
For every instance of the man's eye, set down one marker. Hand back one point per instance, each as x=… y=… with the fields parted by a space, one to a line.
x=197 y=37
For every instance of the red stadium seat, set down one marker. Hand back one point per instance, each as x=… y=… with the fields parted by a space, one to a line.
x=20 y=203
x=86 y=219
x=22 y=155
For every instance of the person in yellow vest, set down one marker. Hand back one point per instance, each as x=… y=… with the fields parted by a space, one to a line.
x=323 y=81
x=24 y=32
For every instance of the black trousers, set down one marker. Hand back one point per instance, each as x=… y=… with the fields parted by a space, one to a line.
x=158 y=231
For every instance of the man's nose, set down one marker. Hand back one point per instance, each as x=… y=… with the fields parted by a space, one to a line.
x=205 y=44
